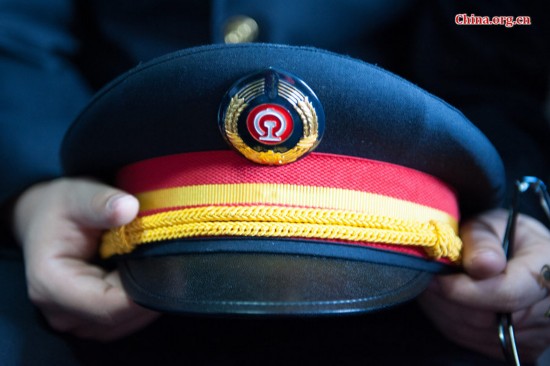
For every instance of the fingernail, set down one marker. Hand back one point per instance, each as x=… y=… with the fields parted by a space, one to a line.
x=485 y=262
x=486 y=256
x=116 y=200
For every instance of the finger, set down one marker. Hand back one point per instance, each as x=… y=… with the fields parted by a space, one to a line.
x=435 y=303
x=72 y=323
x=478 y=329
x=104 y=333
x=86 y=295
x=532 y=330
x=468 y=327
x=98 y=206
x=534 y=317
x=518 y=286
x=504 y=293
x=532 y=342
x=483 y=255
x=513 y=290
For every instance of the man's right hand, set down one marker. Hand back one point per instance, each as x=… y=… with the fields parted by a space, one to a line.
x=58 y=225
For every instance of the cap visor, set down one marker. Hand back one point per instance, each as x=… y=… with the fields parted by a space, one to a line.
x=267 y=283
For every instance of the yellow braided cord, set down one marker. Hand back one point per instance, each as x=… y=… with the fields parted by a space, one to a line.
x=438 y=238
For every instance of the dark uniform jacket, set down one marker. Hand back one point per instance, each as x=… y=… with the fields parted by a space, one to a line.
x=54 y=54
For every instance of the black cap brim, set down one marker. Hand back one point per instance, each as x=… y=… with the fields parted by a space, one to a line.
x=271 y=283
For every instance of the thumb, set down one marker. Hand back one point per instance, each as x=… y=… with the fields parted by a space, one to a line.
x=97 y=206
x=483 y=256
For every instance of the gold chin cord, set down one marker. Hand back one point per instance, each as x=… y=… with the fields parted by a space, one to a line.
x=505 y=326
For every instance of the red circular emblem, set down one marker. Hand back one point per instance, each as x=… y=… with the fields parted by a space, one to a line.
x=270 y=124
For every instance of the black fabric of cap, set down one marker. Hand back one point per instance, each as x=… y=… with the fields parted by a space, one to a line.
x=170 y=106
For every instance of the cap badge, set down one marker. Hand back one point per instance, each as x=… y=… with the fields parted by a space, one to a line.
x=272 y=117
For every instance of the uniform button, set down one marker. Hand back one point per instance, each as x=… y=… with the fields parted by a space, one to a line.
x=240 y=29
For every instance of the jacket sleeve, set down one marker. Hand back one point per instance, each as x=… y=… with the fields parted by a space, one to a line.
x=40 y=90
x=497 y=75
